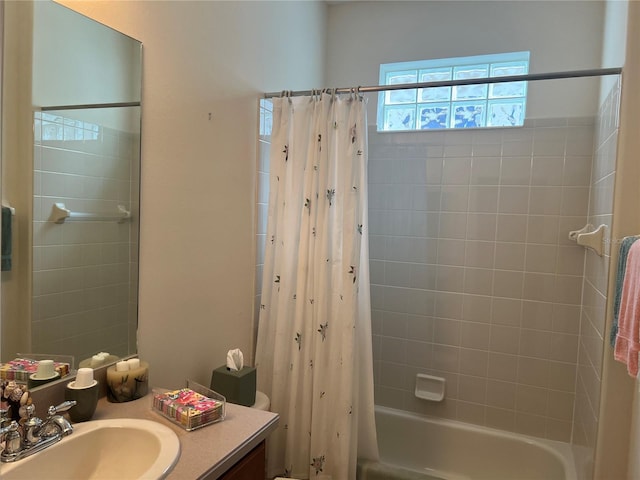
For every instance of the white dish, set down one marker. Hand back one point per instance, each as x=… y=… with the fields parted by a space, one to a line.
x=72 y=385
x=34 y=376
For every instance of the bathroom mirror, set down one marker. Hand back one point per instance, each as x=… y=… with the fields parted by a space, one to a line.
x=71 y=91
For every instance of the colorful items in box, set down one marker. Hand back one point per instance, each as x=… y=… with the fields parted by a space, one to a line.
x=188 y=408
x=20 y=369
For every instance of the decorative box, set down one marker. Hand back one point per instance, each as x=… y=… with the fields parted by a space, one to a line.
x=192 y=407
x=19 y=369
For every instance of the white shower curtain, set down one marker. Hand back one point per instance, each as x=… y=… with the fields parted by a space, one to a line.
x=313 y=353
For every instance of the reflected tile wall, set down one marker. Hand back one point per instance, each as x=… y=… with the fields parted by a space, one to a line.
x=473 y=276
x=262 y=198
x=84 y=300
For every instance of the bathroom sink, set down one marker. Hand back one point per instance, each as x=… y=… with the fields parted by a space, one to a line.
x=124 y=448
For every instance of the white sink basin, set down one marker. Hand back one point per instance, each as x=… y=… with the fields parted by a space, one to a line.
x=125 y=448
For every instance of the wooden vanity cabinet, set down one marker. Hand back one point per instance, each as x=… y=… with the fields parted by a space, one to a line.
x=251 y=467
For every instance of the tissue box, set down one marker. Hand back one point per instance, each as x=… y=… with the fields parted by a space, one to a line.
x=238 y=386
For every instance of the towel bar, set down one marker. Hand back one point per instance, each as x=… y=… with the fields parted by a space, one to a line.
x=59 y=214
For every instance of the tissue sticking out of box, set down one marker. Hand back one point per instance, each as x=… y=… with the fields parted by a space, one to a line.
x=235 y=360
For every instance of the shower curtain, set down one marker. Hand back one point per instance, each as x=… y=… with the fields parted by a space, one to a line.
x=313 y=353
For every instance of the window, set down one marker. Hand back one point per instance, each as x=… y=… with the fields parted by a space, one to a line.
x=52 y=126
x=468 y=106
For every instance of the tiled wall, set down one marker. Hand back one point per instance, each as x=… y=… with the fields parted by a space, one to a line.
x=84 y=278
x=592 y=334
x=262 y=198
x=473 y=276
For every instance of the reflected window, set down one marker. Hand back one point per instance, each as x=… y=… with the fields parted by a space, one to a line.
x=56 y=127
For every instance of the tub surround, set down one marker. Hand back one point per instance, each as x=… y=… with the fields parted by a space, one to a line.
x=209 y=452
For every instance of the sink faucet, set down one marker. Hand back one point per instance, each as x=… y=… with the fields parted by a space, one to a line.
x=37 y=434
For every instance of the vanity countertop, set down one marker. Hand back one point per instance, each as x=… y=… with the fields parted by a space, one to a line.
x=208 y=451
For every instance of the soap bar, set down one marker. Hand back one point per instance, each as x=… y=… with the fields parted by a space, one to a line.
x=238 y=386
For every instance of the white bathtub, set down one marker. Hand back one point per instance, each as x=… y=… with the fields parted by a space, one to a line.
x=418 y=447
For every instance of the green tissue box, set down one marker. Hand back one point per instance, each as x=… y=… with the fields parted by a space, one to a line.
x=238 y=386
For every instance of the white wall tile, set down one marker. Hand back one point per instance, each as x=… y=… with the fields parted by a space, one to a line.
x=513 y=200
x=547 y=171
x=483 y=199
x=512 y=228
x=515 y=170
x=545 y=200
x=456 y=171
x=510 y=256
x=470 y=230
x=481 y=226
x=474 y=336
x=543 y=229
x=476 y=308
x=485 y=170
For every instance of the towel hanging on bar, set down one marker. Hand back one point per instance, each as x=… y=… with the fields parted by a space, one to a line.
x=622 y=266
x=6 y=247
x=628 y=339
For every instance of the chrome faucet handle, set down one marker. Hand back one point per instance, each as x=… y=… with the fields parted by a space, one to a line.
x=11 y=427
x=31 y=426
x=63 y=407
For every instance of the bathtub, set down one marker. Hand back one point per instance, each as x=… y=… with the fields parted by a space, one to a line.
x=416 y=447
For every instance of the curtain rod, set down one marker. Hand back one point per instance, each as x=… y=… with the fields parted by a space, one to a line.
x=87 y=106
x=470 y=81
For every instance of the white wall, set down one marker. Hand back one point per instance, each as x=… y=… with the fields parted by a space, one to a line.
x=619 y=411
x=74 y=62
x=613 y=42
x=198 y=174
x=561 y=35
x=17 y=144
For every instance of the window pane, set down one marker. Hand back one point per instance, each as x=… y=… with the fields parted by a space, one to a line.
x=433 y=116
x=508 y=90
x=468 y=92
x=400 y=118
x=507 y=69
x=468 y=114
x=508 y=113
x=511 y=89
x=438 y=94
x=401 y=96
x=471 y=71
